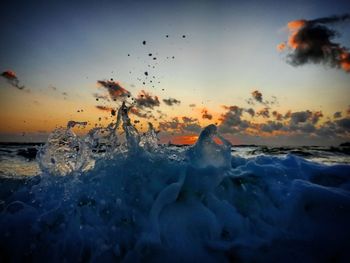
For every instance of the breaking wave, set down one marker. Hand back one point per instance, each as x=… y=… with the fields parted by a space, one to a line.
x=102 y=198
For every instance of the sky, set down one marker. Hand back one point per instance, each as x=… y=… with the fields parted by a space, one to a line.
x=242 y=65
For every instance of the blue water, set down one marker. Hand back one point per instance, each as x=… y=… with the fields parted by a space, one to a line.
x=103 y=199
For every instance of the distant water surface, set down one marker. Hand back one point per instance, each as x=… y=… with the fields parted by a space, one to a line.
x=19 y=159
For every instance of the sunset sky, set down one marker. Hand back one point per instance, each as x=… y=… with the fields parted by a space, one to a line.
x=240 y=65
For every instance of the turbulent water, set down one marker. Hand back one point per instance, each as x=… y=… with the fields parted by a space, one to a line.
x=101 y=198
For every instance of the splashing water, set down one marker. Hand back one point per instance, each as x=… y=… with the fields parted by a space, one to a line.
x=64 y=152
x=206 y=152
x=149 y=140
x=104 y=199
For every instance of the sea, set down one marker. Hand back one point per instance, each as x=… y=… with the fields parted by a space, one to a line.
x=97 y=198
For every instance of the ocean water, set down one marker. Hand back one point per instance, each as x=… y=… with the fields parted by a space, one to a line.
x=101 y=198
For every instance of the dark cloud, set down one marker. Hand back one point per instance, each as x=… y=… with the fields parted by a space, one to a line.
x=344 y=124
x=299 y=122
x=273 y=101
x=171 y=101
x=287 y=115
x=115 y=90
x=301 y=126
x=300 y=116
x=250 y=111
x=304 y=116
x=231 y=121
x=234 y=108
x=173 y=125
x=316 y=116
x=188 y=124
x=335 y=129
x=304 y=125
x=271 y=126
x=188 y=119
x=206 y=114
x=12 y=79
x=141 y=114
x=328 y=130
x=192 y=105
x=307 y=128
x=192 y=127
x=303 y=122
x=311 y=41
x=257 y=95
x=278 y=116
x=146 y=100
x=265 y=113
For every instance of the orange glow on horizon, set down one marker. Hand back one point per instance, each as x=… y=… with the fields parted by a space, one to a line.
x=192 y=139
x=181 y=139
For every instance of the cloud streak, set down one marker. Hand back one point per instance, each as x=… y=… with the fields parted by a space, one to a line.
x=171 y=101
x=188 y=125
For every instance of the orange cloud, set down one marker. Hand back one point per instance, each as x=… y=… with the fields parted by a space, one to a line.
x=281 y=46
x=294 y=27
x=345 y=61
x=296 y=24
